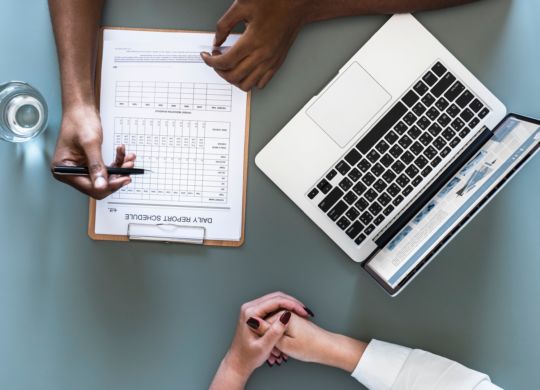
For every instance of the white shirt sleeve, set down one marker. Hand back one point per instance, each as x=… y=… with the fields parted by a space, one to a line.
x=386 y=366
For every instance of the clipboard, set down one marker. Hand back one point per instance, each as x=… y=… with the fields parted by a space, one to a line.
x=166 y=233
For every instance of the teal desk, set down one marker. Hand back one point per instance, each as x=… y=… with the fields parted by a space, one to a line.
x=78 y=314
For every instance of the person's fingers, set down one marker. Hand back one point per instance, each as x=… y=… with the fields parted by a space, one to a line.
x=258 y=325
x=253 y=78
x=285 y=357
x=128 y=164
x=96 y=167
x=226 y=23
x=274 y=294
x=266 y=78
x=230 y=59
x=120 y=156
x=275 y=332
x=271 y=305
x=276 y=352
x=271 y=361
x=130 y=157
x=241 y=71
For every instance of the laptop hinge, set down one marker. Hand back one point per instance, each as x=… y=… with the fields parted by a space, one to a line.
x=434 y=188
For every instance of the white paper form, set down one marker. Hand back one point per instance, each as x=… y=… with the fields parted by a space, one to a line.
x=184 y=122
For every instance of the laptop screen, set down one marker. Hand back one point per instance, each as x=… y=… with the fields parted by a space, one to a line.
x=514 y=140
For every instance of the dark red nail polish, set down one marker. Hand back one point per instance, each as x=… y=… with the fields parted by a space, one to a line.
x=253 y=323
x=269 y=365
x=309 y=311
x=285 y=317
x=278 y=363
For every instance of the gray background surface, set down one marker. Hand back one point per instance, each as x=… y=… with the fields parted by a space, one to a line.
x=77 y=314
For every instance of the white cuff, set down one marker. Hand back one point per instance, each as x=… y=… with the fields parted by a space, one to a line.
x=380 y=365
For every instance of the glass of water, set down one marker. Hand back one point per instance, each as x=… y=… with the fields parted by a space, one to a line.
x=23 y=112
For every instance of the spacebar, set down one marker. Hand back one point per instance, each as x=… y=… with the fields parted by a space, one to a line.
x=381 y=128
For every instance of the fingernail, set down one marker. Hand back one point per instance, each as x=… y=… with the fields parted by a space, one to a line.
x=205 y=54
x=269 y=365
x=278 y=363
x=285 y=360
x=253 y=323
x=309 y=311
x=100 y=182
x=285 y=317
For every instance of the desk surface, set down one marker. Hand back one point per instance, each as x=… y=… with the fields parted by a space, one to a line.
x=77 y=314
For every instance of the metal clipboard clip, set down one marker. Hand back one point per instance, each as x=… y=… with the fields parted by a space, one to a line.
x=166 y=233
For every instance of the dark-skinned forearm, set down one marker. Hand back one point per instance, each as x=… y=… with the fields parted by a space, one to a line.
x=76 y=24
x=328 y=9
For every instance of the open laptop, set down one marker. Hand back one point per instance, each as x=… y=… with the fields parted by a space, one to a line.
x=397 y=152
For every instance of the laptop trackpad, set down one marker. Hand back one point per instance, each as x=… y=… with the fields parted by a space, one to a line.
x=348 y=104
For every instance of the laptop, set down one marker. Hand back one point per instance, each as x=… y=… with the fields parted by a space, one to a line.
x=397 y=153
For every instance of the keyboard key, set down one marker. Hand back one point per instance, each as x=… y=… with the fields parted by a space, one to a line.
x=377 y=221
x=369 y=230
x=445 y=152
x=353 y=157
x=362 y=204
x=366 y=218
x=417 y=180
x=397 y=201
x=435 y=129
x=360 y=239
x=382 y=127
x=421 y=162
x=430 y=79
x=421 y=88
x=419 y=109
x=426 y=139
x=384 y=199
x=407 y=190
x=476 y=105
x=423 y=123
x=483 y=113
x=474 y=123
x=371 y=195
x=407 y=157
x=324 y=186
x=389 y=176
x=375 y=209
x=465 y=132
x=403 y=180
x=458 y=124
x=398 y=167
x=444 y=83
x=428 y=100
x=345 y=184
x=393 y=190
x=441 y=104
x=343 y=223
x=331 y=175
x=382 y=147
x=430 y=152
x=405 y=142
x=400 y=128
x=377 y=170
x=466 y=115
x=391 y=137
x=417 y=148
x=414 y=132
x=454 y=91
x=410 y=98
x=439 y=69
x=359 y=189
x=444 y=120
x=355 y=175
x=343 y=167
x=412 y=171
x=448 y=134
x=373 y=156
x=355 y=229
x=427 y=171
x=338 y=210
x=439 y=143
x=387 y=211
x=433 y=113
x=314 y=192
x=410 y=118
x=455 y=142
x=436 y=161
x=387 y=160
x=368 y=179
x=364 y=165
x=352 y=214
x=331 y=199
x=380 y=185
x=350 y=198
x=396 y=151
x=464 y=99
x=453 y=110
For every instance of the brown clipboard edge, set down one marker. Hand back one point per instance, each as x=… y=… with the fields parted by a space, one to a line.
x=97 y=88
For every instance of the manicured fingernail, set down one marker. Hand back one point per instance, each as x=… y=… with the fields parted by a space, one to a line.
x=309 y=311
x=278 y=363
x=285 y=317
x=269 y=365
x=253 y=323
x=100 y=182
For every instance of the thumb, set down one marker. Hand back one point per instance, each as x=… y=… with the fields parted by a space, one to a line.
x=276 y=331
x=96 y=167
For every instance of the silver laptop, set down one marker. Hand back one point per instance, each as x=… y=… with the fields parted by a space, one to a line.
x=398 y=152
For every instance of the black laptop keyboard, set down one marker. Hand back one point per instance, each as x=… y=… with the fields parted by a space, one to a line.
x=374 y=177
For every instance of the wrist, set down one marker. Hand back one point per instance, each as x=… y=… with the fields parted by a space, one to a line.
x=343 y=352
x=236 y=368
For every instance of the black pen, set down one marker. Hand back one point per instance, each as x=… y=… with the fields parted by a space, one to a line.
x=83 y=171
